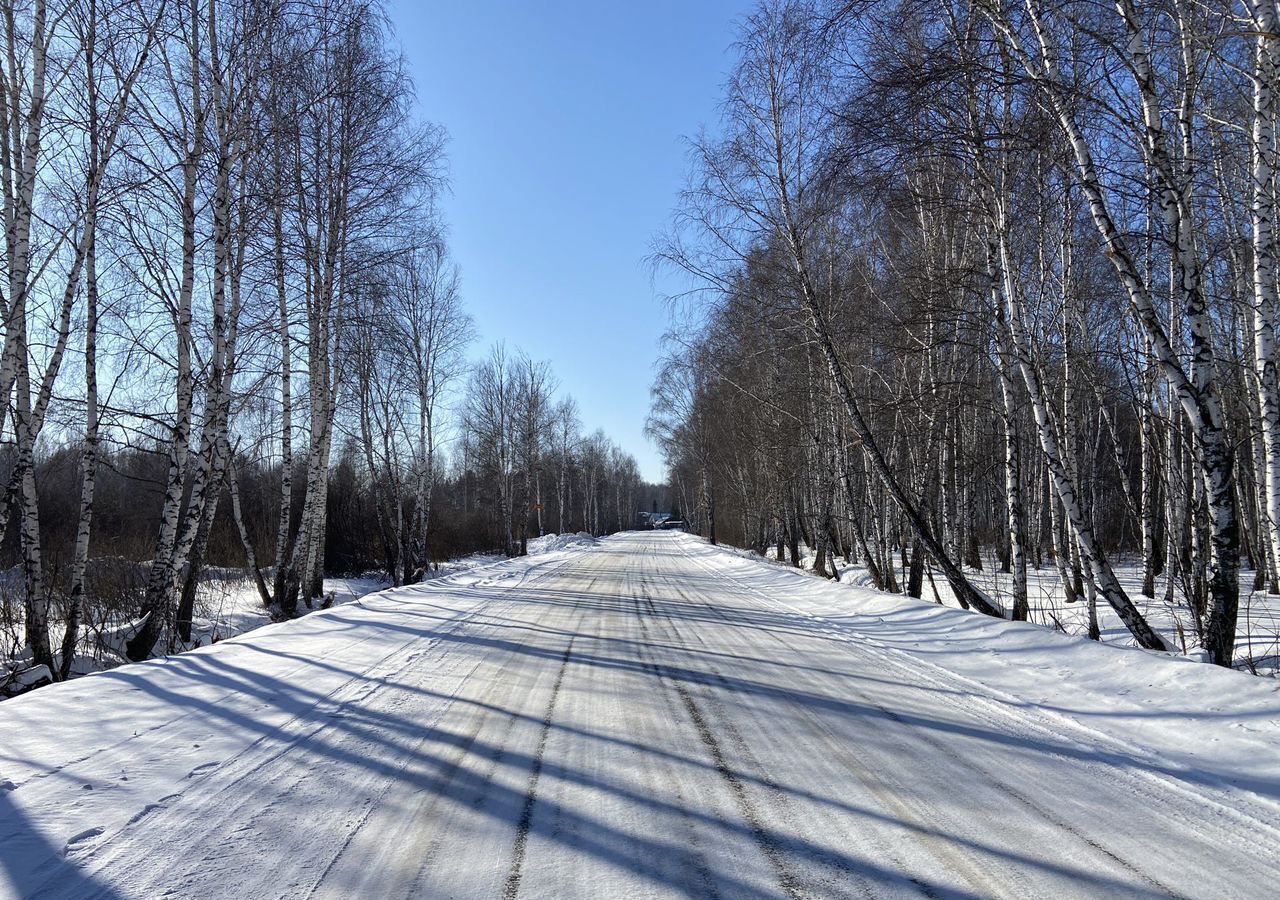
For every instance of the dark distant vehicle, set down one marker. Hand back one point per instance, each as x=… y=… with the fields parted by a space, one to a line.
x=660 y=521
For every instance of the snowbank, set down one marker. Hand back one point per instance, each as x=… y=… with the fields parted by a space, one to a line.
x=1203 y=723
x=553 y=543
x=227 y=605
x=1257 y=631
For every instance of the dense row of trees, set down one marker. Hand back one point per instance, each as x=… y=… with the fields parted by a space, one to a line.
x=525 y=458
x=991 y=274
x=194 y=192
x=232 y=331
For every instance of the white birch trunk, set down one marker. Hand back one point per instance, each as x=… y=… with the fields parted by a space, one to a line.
x=1263 y=219
x=1195 y=389
x=1095 y=562
x=1012 y=452
x=158 y=607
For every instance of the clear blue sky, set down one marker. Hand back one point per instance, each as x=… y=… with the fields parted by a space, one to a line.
x=565 y=122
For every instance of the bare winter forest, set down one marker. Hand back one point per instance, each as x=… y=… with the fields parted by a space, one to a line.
x=986 y=287
x=233 y=334
x=994 y=284
x=930 y=547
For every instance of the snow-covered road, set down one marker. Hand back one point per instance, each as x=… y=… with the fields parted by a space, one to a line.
x=651 y=717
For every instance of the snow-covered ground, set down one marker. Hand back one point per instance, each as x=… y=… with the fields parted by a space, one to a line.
x=1257 y=637
x=227 y=604
x=648 y=716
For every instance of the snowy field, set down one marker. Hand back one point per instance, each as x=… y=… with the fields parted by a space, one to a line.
x=648 y=716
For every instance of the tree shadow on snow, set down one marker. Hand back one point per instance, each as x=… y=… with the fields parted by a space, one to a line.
x=357 y=735
x=33 y=867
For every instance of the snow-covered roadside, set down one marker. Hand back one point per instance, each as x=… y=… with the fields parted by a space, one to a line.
x=228 y=605
x=1215 y=727
x=232 y=606
x=130 y=740
x=1257 y=634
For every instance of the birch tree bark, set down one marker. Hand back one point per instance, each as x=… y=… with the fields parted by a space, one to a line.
x=1009 y=415
x=1195 y=388
x=1263 y=220
x=1095 y=562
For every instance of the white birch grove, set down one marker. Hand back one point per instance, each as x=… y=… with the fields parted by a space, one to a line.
x=1036 y=248
x=50 y=238
x=234 y=342
x=193 y=192
x=519 y=441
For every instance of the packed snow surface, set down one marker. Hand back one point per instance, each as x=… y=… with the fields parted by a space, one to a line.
x=644 y=716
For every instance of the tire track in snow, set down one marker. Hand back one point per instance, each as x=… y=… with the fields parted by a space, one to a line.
x=493 y=757
x=273 y=747
x=979 y=883
x=788 y=881
x=760 y=776
x=450 y=768
x=481 y=616
x=988 y=777
x=695 y=859
x=776 y=793
x=512 y=887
